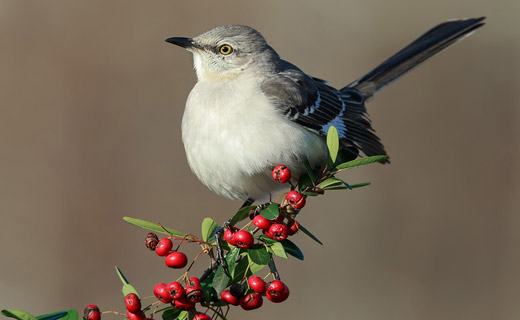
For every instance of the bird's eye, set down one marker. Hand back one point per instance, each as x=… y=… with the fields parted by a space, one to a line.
x=225 y=49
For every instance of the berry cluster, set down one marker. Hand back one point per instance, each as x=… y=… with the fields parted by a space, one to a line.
x=232 y=279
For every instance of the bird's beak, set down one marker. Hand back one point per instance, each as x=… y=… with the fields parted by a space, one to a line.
x=186 y=43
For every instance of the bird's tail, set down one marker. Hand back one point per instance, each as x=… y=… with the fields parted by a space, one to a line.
x=427 y=45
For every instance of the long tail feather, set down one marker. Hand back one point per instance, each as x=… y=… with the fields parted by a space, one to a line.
x=427 y=45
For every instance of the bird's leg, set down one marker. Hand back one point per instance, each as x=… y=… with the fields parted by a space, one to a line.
x=221 y=258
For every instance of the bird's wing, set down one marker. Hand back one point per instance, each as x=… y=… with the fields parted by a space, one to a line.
x=313 y=104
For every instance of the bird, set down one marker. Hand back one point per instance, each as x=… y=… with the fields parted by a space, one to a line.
x=250 y=110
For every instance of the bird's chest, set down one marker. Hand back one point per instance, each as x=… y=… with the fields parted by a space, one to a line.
x=223 y=128
x=233 y=133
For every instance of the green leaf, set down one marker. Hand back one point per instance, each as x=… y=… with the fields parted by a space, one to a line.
x=311 y=193
x=334 y=182
x=208 y=228
x=278 y=250
x=292 y=249
x=128 y=288
x=307 y=232
x=359 y=185
x=272 y=212
x=220 y=280
x=332 y=145
x=171 y=313
x=121 y=275
x=259 y=256
x=18 y=314
x=241 y=214
x=266 y=239
x=71 y=315
x=58 y=315
x=153 y=227
x=308 y=168
x=241 y=268
x=231 y=258
x=183 y=315
x=359 y=162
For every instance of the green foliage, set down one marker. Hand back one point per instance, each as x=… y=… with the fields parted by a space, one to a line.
x=308 y=233
x=127 y=287
x=153 y=227
x=332 y=145
x=242 y=263
x=208 y=228
x=18 y=314
x=241 y=214
x=271 y=212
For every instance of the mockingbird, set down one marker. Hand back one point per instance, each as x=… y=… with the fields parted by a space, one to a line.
x=250 y=110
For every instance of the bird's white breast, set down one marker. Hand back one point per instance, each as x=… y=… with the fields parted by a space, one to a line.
x=234 y=137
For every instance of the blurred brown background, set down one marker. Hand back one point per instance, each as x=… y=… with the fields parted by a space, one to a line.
x=91 y=103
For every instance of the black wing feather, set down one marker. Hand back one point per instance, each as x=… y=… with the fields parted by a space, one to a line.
x=315 y=105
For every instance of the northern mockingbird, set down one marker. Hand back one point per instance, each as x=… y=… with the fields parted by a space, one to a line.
x=250 y=110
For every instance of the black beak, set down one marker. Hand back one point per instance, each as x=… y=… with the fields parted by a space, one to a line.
x=186 y=43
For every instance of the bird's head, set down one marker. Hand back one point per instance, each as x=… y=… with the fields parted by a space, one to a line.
x=226 y=52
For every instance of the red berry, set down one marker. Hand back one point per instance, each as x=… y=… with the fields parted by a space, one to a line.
x=201 y=316
x=278 y=231
x=243 y=239
x=175 y=289
x=251 y=301
x=262 y=222
x=277 y=291
x=281 y=174
x=163 y=247
x=161 y=292
x=293 y=227
x=176 y=260
x=257 y=284
x=183 y=304
x=139 y=315
x=194 y=293
x=194 y=281
x=91 y=312
x=229 y=236
x=227 y=297
x=295 y=199
x=132 y=302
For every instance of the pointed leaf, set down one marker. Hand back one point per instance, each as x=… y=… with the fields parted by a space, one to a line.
x=153 y=227
x=121 y=275
x=241 y=268
x=307 y=232
x=308 y=168
x=272 y=212
x=208 y=227
x=359 y=185
x=241 y=214
x=334 y=182
x=55 y=315
x=171 y=313
x=359 y=162
x=292 y=249
x=128 y=288
x=354 y=186
x=332 y=145
x=183 y=315
x=18 y=314
x=266 y=239
x=259 y=256
x=278 y=250
x=71 y=315
x=220 y=280
x=231 y=258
